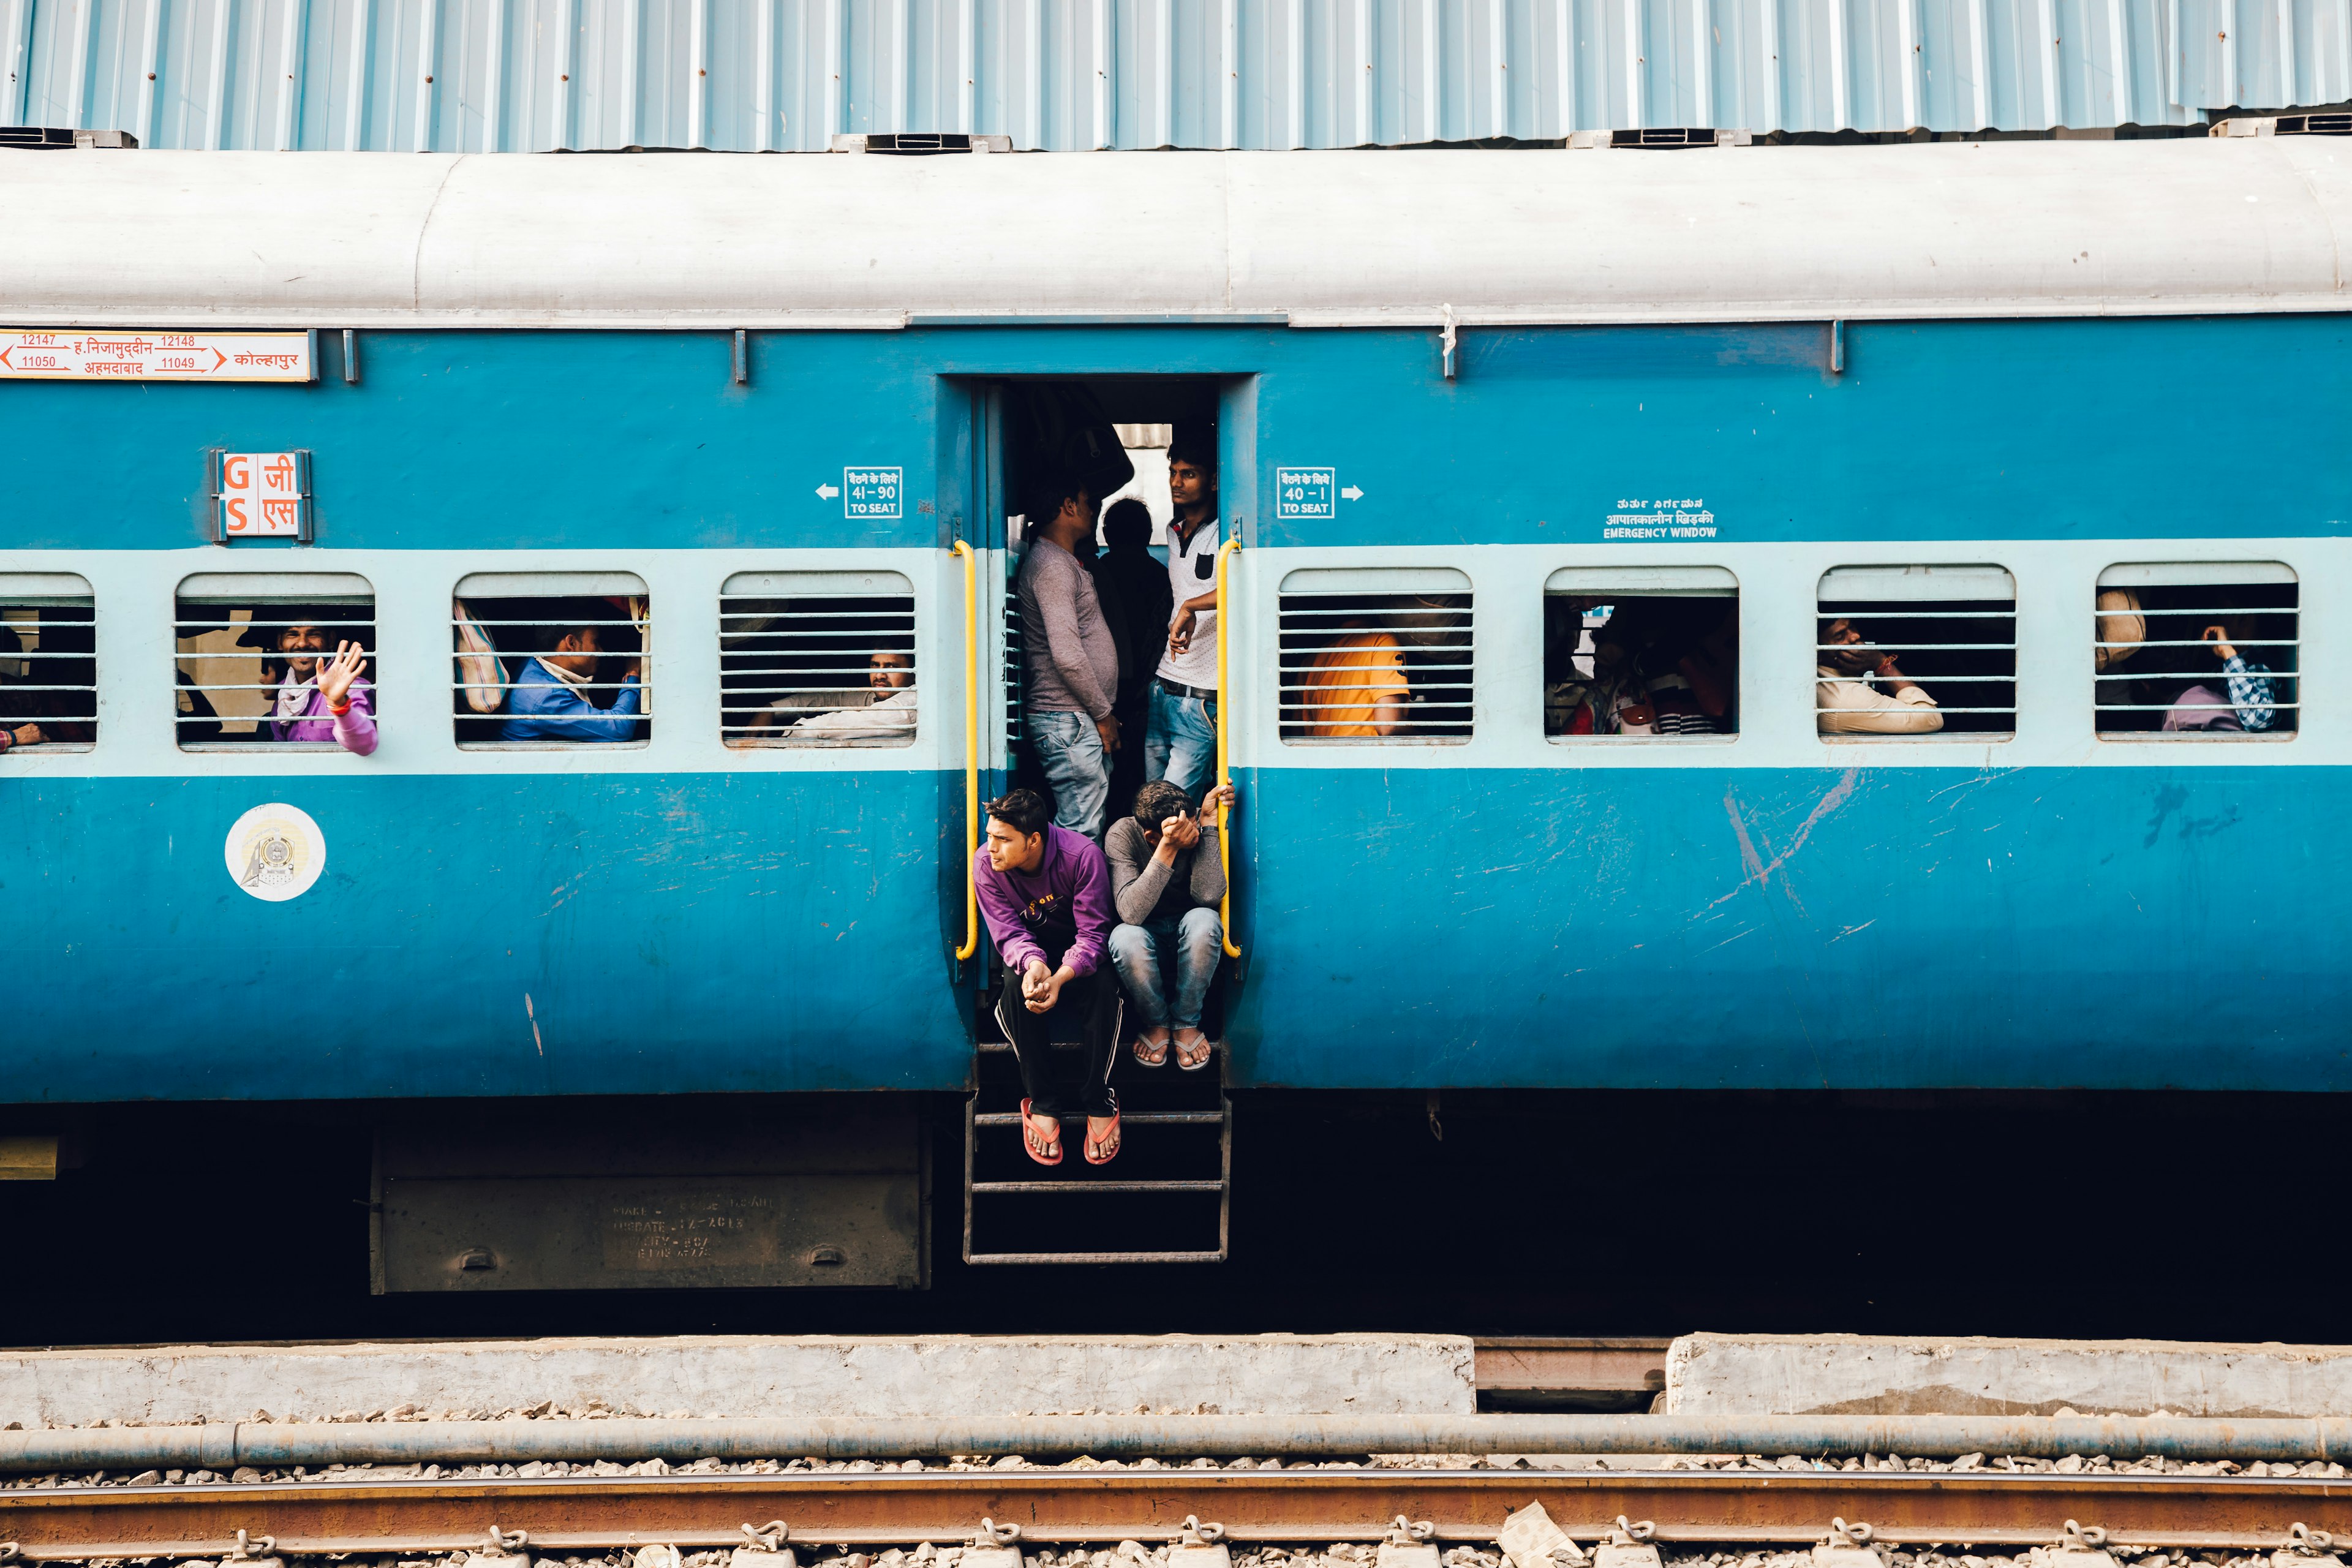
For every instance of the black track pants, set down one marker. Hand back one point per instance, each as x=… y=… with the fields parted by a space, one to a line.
x=1096 y=998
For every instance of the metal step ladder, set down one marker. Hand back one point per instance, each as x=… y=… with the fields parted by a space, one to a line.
x=1159 y=1189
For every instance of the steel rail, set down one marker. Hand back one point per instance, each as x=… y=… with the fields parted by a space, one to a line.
x=223 y=1445
x=1976 y=1508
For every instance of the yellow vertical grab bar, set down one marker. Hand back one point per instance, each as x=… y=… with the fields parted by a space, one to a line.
x=1224 y=775
x=971 y=746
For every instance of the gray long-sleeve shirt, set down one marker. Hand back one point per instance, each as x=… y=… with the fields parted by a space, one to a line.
x=1142 y=889
x=1073 y=658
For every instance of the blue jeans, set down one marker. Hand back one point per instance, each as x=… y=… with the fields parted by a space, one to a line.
x=1070 y=750
x=1195 y=940
x=1180 y=741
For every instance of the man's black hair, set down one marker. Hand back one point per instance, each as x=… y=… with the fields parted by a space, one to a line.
x=582 y=629
x=569 y=617
x=1128 y=522
x=1046 y=494
x=1198 y=448
x=1022 y=810
x=1158 y=801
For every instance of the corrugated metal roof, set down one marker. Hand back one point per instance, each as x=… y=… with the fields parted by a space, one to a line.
x=1068 y=75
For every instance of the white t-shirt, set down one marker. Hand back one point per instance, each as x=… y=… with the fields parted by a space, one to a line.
x=1193 y=572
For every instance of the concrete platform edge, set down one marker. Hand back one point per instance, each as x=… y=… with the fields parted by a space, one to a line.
x=1720 y=1374
x=742 y=1376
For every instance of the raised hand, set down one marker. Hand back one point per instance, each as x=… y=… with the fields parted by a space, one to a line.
x=336 y=675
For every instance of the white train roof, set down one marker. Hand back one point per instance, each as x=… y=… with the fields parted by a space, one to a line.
x=1320 y=239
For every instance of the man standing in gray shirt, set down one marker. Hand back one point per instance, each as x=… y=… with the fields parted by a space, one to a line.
x=1167 y=877
x=1073 y=659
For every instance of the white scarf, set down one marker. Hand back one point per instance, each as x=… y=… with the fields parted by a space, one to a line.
x=562 y=674
x=294 y=698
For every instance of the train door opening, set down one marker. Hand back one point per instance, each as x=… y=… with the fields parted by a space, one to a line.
x=1117 y=441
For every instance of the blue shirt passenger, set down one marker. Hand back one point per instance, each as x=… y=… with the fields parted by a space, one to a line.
x=548 y=702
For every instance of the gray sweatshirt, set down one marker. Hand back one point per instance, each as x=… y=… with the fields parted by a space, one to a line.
x=1073 y=659
x=1142 y=889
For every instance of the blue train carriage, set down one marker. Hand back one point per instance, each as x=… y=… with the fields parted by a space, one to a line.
x=1734 y=619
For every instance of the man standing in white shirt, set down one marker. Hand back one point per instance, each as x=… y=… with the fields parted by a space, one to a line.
x=1180 y=742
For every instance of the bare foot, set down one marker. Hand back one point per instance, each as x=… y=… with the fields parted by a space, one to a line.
x=1044 y=1137
x=1102 y=1139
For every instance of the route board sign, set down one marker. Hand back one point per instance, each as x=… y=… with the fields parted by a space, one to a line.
x=67 y=354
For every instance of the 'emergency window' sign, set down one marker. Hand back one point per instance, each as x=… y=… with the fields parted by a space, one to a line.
x=261 y=495
x=1305 y=492
x=872 y=492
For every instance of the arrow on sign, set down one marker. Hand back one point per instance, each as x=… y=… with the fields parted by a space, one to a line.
x=1353 y=493
x=219 y=358
x=826 y=493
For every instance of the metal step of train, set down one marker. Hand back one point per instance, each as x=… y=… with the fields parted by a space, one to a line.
x=1167 y=1198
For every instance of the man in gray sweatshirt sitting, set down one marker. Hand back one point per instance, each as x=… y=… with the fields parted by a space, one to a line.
x=1167 y=879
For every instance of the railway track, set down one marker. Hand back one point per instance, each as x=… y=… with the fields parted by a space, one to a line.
x=1068 y=1507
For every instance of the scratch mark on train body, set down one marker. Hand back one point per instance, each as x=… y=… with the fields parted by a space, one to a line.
x=537 y=1043
x=1760 y=871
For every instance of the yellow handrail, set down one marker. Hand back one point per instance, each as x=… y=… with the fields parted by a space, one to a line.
x=971 y=746
x=1224 y=837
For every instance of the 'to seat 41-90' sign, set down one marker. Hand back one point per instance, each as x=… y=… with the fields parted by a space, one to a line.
x=69 y=353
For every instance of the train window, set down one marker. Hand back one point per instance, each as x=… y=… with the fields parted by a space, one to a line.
x=2201 y=649
x=1640 y=652
x=1908 y=651
x=48 y=663
x=549 y=660
x=816 y=658
x=1375 y=655
x=252 y=650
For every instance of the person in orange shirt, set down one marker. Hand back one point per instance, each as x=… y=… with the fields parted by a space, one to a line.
x=1356 y=687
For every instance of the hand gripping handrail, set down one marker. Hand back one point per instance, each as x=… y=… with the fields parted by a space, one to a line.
x=1224 y=775
x=971 y=748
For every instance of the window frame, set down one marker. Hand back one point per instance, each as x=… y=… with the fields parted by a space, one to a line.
x=253 y=589
x=53 y=590
x=555 y=584
x=1903 y=574
x=2179 y=573
x=1376 y=579
x=1674 y=580
x=805 y=584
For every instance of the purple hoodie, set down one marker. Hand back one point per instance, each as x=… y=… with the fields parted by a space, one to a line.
x=354 y=731
x=1072 y=884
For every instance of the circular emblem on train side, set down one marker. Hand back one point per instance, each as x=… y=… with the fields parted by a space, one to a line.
x=276 y=852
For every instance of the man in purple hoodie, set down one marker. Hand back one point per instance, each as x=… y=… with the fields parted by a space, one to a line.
x=322 y=696
x=1045 y=894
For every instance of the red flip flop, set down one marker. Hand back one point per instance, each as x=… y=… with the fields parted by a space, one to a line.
x=1036 y=1145
x=1109 y=1145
